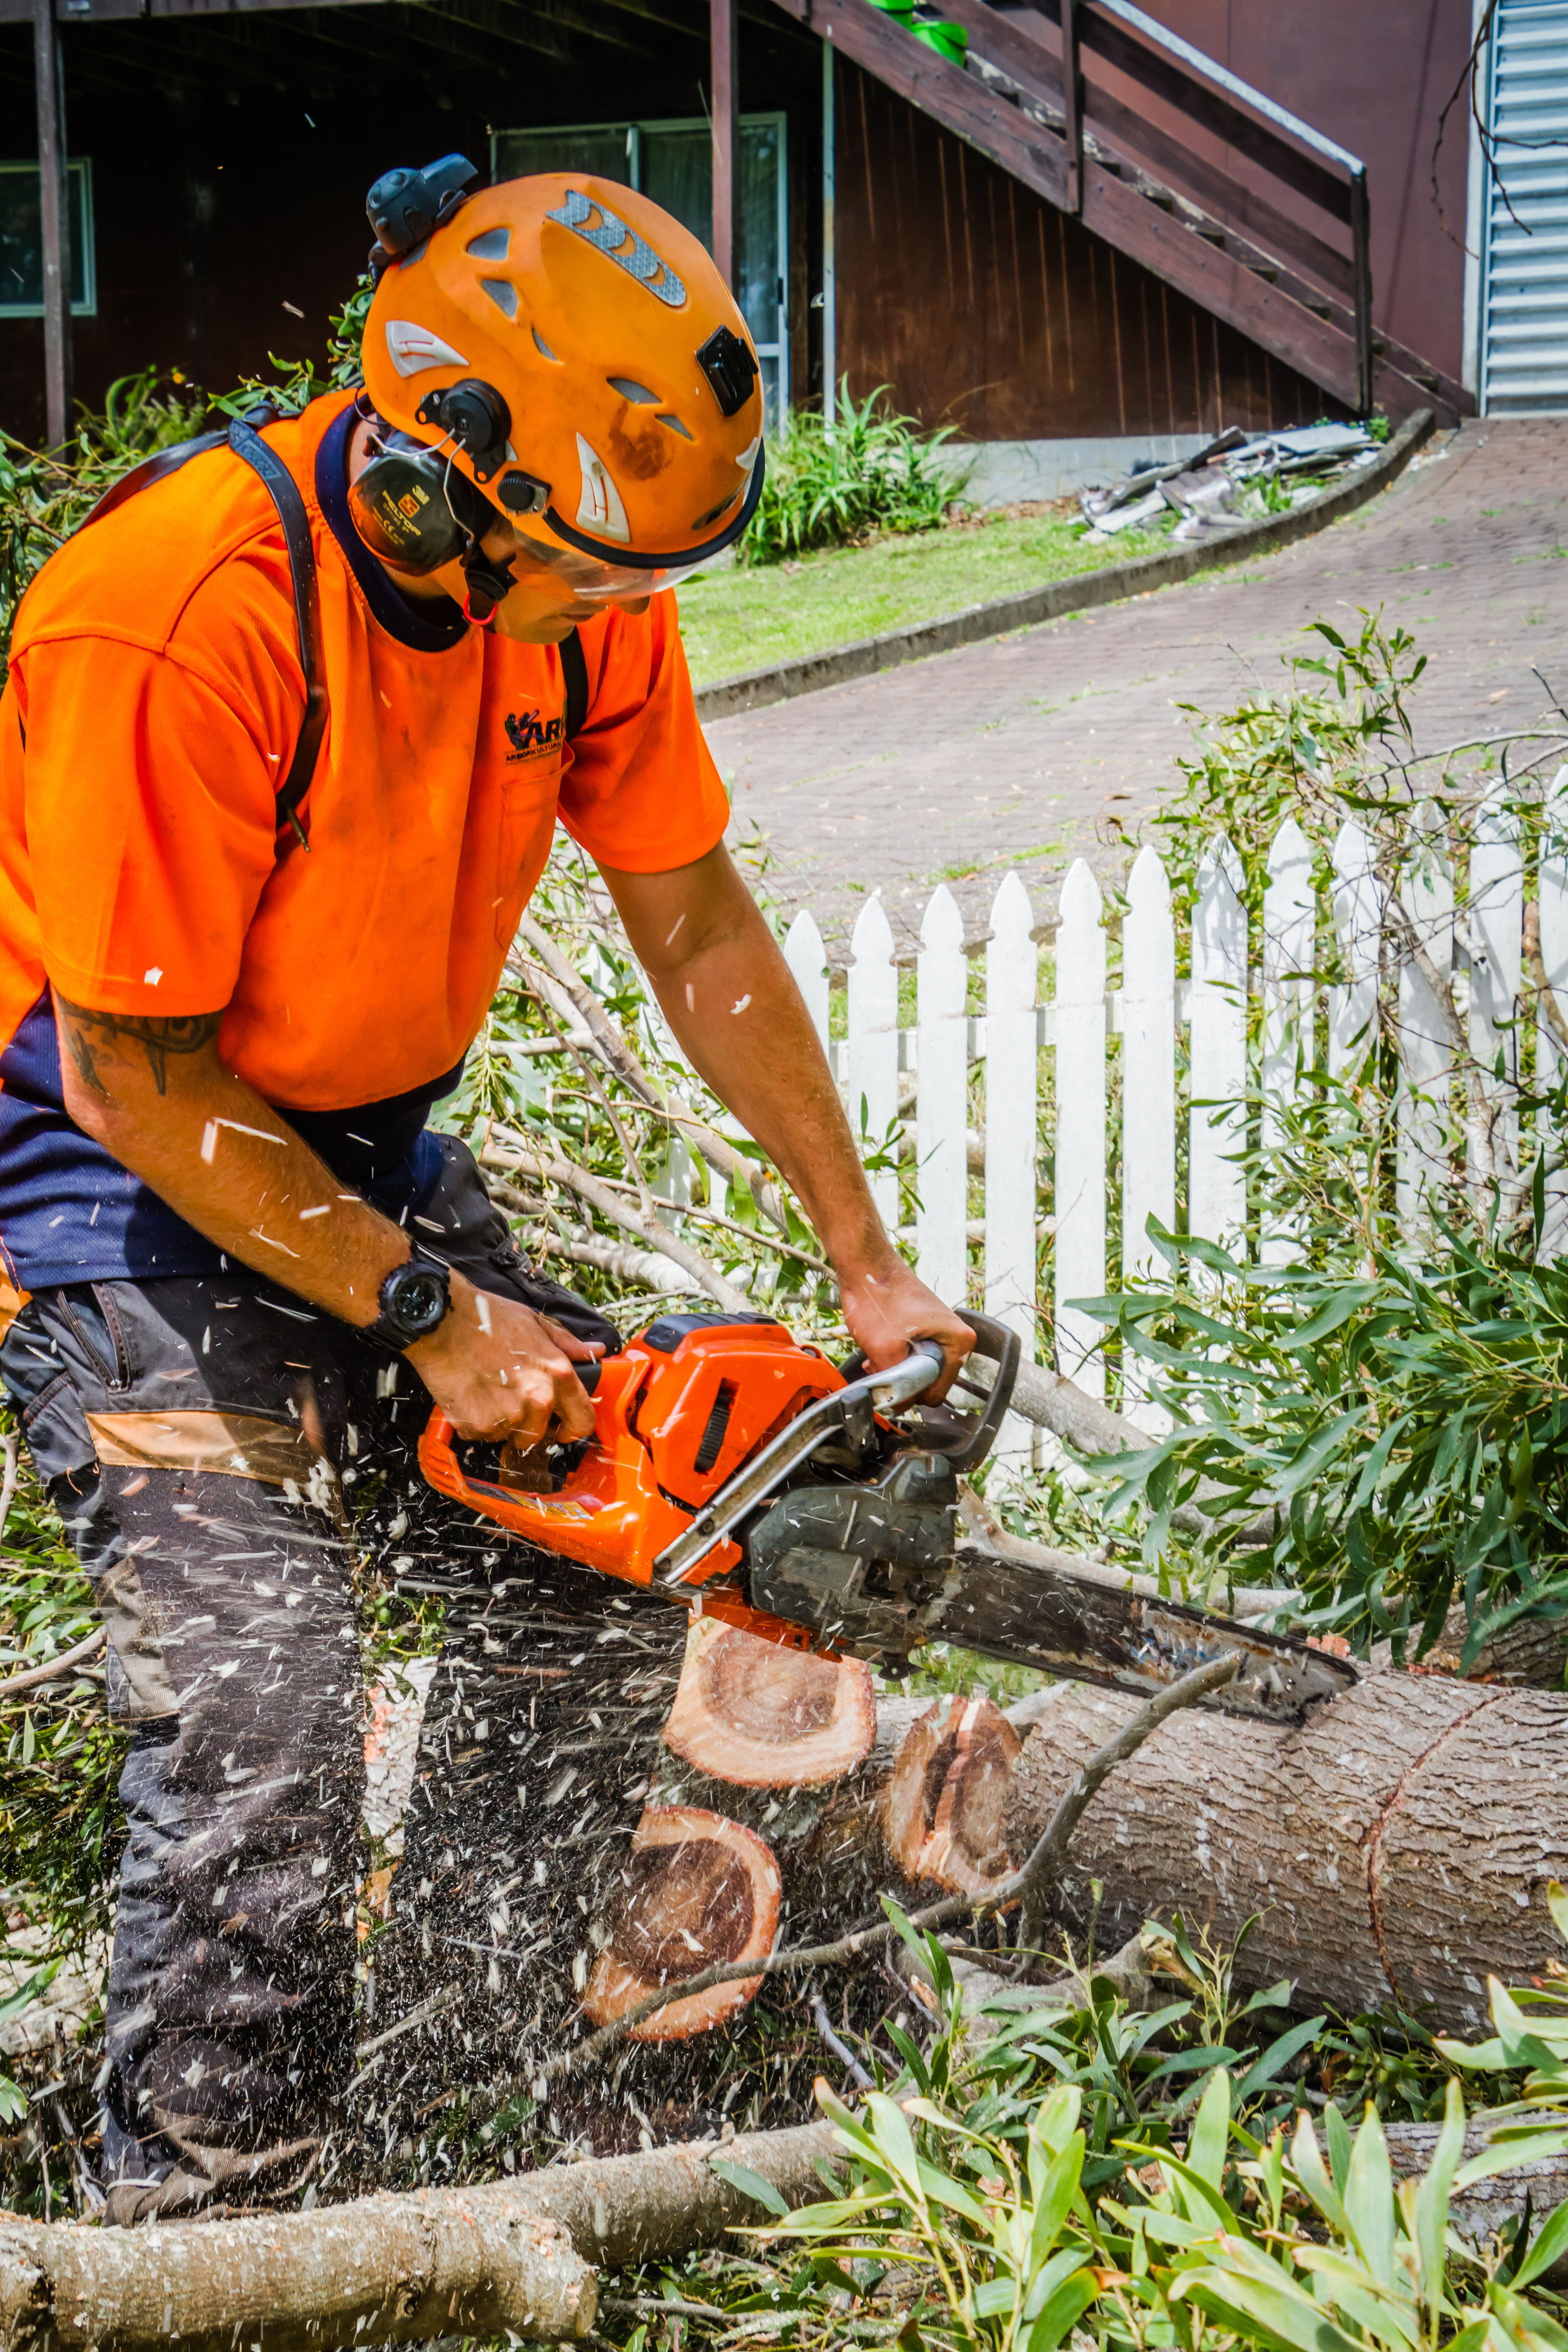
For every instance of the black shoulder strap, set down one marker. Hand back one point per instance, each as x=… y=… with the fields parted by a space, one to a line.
x=248 y=443
x=285 y=494
x=574 y=668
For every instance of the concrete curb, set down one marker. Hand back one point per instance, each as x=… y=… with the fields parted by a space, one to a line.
x=756 y=689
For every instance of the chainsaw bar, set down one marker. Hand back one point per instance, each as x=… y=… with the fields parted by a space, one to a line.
x=1032 y=1615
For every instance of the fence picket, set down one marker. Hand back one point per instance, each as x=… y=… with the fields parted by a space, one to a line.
x=1012 y=1125
x=1148 y=1090
x=1426 y=1041
x=1552 y=898
x=1081 y=1127
x=1496 y=912
x=1352 y=1006
x=941 y=1159
x=1217 y=1189
x=807 y=960
x=1289 y=912
x=873 y=1058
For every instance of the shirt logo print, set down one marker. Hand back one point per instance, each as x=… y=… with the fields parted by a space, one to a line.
x=532 y=737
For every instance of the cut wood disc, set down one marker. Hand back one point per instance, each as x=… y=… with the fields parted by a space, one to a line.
x=946 y=1800
x=764 y=1716
x=696 y=1889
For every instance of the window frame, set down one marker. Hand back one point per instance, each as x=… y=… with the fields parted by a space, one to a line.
x=79 y=171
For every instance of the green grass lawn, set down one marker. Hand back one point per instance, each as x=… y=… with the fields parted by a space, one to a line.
x=746 y=619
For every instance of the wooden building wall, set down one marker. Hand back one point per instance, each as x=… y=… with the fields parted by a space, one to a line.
x=987 y=309
x=1376 y=79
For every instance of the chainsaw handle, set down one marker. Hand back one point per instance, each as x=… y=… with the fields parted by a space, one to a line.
x=971 y=1435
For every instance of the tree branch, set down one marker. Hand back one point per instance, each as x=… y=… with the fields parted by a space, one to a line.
x=510 y=1153
x=54 y=1667
x=549 y=966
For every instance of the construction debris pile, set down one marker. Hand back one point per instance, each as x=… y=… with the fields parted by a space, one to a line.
x=1238 y=479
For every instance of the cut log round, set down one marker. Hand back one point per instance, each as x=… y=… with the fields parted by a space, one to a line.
x=945 y=1809
x=765 y=1716
x=695 y=1889
x=1397 y=1848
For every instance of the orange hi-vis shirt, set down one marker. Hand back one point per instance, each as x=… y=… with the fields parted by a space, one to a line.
x=155 y=699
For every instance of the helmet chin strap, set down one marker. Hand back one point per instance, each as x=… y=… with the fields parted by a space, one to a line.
x=488 y=584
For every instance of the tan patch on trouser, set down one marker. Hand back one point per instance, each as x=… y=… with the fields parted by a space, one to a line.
x=135 y=1632
x=237 y=1445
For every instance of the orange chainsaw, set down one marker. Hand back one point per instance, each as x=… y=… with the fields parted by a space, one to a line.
x=744 y=1475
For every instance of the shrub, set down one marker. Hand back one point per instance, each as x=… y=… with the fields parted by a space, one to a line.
x=871 y=470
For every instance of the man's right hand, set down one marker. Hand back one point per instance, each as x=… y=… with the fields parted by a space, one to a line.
x=497 y=1369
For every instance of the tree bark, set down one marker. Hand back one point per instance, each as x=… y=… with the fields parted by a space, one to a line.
x=511 y=2256
x=1395 y=1849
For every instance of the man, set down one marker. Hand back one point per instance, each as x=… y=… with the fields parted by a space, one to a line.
x=245 y=944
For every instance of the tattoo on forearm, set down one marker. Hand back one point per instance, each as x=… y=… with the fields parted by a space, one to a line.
x=183 y=1033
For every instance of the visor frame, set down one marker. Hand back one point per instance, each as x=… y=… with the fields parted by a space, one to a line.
x=684 y=559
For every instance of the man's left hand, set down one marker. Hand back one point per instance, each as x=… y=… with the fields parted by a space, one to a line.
x=890 y=1307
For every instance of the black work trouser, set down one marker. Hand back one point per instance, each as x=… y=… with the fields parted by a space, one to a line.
x=199 y=1435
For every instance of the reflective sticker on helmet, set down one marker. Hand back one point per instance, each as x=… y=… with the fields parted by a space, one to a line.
x=413 y=347
x=600 y=509
x=623 y=246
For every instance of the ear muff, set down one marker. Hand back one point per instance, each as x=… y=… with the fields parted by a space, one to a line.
x=413 y=510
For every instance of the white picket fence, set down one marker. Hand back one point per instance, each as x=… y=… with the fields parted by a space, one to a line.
x=1477 y=947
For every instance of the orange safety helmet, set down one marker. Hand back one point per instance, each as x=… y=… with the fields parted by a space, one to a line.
x=574 y=352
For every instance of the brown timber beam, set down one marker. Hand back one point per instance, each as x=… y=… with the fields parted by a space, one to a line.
x=54 y=221
x=725 y=80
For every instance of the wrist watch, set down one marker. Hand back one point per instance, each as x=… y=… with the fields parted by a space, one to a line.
x=415 y=1300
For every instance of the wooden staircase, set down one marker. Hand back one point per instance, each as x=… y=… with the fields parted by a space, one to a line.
x=1209 y=184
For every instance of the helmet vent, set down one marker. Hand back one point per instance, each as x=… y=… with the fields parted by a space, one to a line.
x=637 y=393
x=713 y=513
x=540 y=346
x=494 y=246
x=503 y=293
x=676 y=425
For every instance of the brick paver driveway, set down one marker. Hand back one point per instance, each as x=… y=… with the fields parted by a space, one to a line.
x=1028 y=749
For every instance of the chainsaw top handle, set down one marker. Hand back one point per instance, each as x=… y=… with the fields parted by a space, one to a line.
x=964 y=1439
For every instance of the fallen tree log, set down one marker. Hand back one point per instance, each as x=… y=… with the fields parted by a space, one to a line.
x=1396 y=1848
x=511 y=2256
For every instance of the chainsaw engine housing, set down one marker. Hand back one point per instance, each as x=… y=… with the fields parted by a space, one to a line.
x=862 y=1565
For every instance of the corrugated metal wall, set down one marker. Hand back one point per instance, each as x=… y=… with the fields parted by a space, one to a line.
x=989 y=310
x=1524 y=335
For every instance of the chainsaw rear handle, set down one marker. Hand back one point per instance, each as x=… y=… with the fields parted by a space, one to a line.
x=969 y=1436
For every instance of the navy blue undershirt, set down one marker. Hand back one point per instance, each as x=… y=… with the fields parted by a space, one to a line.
x=70 y=1213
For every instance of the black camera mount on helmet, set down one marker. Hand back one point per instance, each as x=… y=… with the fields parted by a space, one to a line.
x=404 y=205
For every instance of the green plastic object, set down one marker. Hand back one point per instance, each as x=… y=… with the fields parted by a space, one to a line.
x=950 y=41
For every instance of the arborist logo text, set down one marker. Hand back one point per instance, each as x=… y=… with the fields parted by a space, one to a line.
x=532 y=736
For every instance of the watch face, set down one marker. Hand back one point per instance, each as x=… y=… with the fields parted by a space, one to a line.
x=418 y=1299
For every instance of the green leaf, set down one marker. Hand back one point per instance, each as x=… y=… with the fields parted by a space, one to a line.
x=1064 y=2309
x=1369 y=2199
x=750 y=2184
x=1211 y=2131
x=1433 y=2194
x=1278 y=2054
x=1054 y=2200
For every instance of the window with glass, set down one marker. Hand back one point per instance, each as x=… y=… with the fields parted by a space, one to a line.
x=22 y=241
x=672 y=162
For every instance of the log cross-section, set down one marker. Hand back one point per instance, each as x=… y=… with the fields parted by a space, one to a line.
x=764 y=1716
x=946 y=1802
x=696 y=1889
